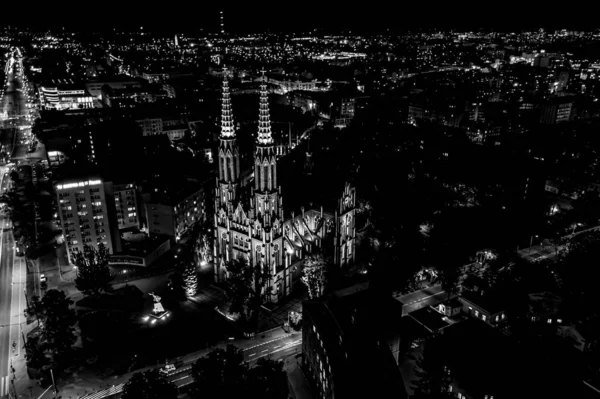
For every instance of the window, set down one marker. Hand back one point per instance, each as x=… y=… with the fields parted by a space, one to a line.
x=476 y=313
x=497 y=317
x=483 y=317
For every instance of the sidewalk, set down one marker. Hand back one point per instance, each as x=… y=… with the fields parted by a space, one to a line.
x=299 y=387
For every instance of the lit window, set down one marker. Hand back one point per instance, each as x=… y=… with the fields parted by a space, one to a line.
x=549 y=321
x=483 y=317
x=476 y=313
x=559 y=321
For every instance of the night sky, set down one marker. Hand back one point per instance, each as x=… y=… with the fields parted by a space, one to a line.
x=255 y=16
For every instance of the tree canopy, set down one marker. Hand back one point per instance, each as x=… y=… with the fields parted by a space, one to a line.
x=93 y=273
x=223 y=373
x=57 y=333
x=149 y=385
x=314 y=275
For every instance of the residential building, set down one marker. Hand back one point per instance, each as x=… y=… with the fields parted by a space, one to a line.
x=172 y=213
x=346 y=350
x=486 y=307
x=126 y=206
x=87 y=214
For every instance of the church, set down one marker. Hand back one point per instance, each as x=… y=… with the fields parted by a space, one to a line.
x=250 y=221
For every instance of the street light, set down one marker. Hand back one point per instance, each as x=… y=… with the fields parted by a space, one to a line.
x=531 y=242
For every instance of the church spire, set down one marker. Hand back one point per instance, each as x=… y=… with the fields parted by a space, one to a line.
x=264 y=119
x=227 y=128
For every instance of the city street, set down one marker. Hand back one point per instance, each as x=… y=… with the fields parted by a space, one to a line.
x=13 y=271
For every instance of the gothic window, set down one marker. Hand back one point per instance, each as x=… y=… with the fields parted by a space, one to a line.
x=348 y=221
x=297 y=225
x=276 y=227
x=258 y=253
x=287 y=230
x=224 y=236
x=306 y=220
x=236 y=241
x=276 y=254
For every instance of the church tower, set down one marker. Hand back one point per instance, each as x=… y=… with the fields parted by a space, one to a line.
x=227 y=190
x=266 y=204
x=229 y=157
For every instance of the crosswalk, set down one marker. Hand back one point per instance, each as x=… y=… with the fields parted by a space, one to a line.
x=4 y=386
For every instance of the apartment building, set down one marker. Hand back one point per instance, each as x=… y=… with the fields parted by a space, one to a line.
x=87 y=214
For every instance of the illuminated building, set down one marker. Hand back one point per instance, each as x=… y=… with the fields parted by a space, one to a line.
x=172 y=213
x=65 y=96
x=87 y=214
x=557 y=110
x=255 y=227
x=126 y=206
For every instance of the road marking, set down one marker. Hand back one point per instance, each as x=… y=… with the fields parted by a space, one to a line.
x=266 y=350
x=278 y=346
x=252 y=354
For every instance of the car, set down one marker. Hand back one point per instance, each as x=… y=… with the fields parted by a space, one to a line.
x=169 y=368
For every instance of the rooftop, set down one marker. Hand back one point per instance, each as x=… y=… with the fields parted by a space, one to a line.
x=488 y=302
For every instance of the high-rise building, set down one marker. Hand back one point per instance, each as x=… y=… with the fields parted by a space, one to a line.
x=350 y=344
x=87 y=214
x=250 y=221
x=126 y=206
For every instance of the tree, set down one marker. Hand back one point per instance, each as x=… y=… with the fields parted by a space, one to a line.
x=245 y=288
x=190 y=279
x=314 y=275
x=220 y=374
x=268 y=380
x=149 y=385
x=57 y=321
x=433 y=376
x=204 y=248
x=34 y=354
x=93 y=274
x=238 y=286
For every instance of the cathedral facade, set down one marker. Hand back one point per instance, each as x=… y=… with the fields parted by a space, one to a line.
x=256 y=228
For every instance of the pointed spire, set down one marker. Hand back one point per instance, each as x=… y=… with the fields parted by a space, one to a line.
x=227 y=128
x=264 y=119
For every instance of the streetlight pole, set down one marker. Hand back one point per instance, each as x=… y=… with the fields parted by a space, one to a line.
x=531 y=242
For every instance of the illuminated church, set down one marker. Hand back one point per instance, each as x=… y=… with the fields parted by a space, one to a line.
x=255 y=225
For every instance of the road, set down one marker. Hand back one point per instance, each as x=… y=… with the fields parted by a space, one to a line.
x=13 y=272
x=276 y=349
x=280 y=347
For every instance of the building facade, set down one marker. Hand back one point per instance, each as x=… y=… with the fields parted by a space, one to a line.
x=85 y=215
x=126 y=206
x=174 y=216
x=254 y=226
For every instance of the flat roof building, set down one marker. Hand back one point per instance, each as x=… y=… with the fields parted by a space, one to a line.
x=85 y=214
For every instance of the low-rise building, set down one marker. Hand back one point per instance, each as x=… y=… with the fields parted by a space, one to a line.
x=61 y=95
x=172 y=213
x=486 y=307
